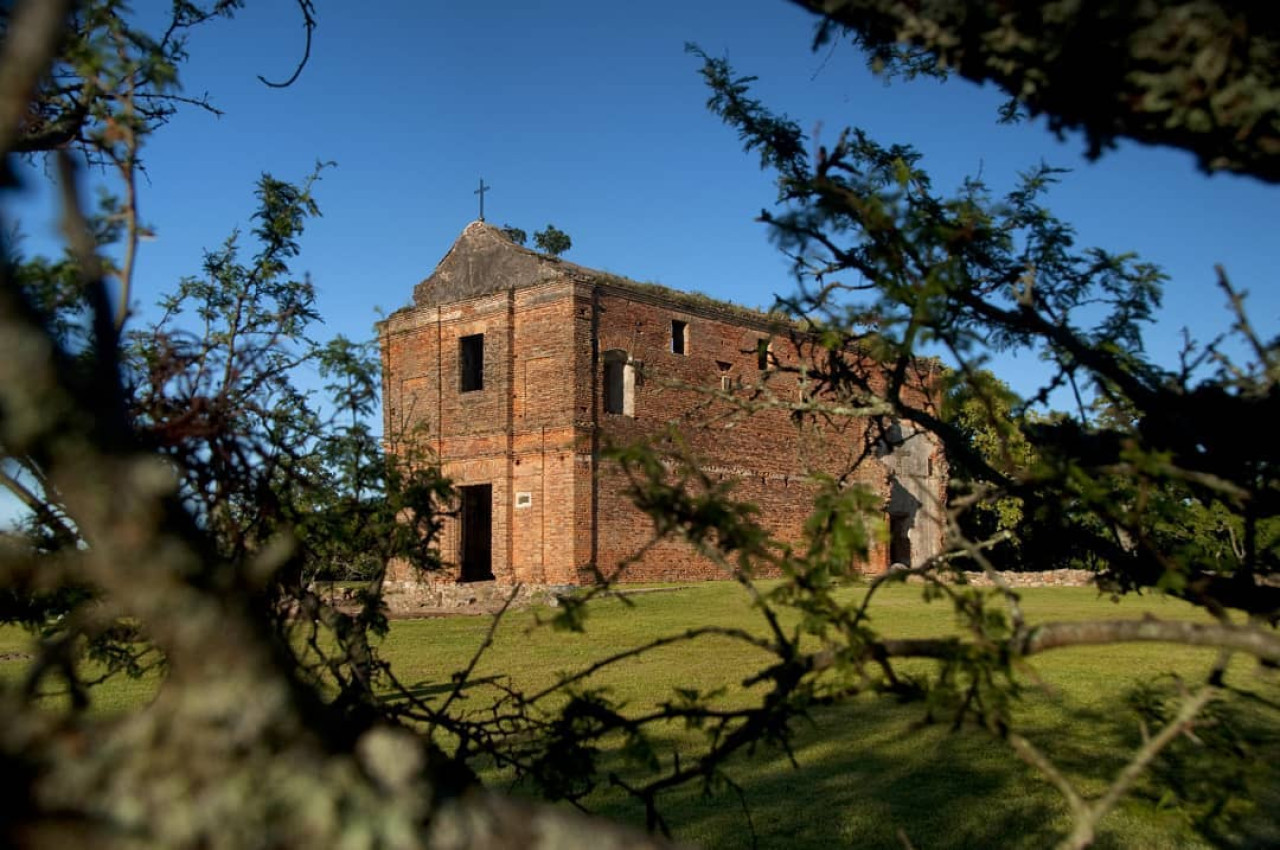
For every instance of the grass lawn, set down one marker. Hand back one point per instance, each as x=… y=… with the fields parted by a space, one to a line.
x=871 y=767
x=867 y=769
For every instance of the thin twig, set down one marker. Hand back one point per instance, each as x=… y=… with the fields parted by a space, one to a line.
x=461 y=679
x=309 y=25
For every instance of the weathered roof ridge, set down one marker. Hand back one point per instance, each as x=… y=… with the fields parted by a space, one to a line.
x=483 y=260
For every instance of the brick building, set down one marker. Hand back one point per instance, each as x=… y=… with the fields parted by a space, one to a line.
x=515 y=369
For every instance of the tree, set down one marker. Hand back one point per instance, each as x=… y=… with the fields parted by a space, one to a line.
x=552 y=240
x=515 y=234
x=1197 y=76
x=181 y=487
x=864 y=224
x=185 y=488
x=980 y=409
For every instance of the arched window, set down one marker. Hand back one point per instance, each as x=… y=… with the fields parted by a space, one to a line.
x=619 y=383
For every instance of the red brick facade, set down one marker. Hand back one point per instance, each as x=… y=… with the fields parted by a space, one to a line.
x=554 y=336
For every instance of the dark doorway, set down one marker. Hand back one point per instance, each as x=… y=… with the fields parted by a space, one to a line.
x=477 y=532
x=899 y=540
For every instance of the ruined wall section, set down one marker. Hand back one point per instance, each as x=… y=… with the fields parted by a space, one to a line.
x=544 y=443
x=535 y=431
x=766 y=454
x=917 y=492
x=468 y=431
x=520 y=434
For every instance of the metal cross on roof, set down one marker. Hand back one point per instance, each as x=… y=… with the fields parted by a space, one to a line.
x=483 y=188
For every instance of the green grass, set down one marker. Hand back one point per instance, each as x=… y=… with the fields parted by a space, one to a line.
x=869 y=768
x=115 y=695
x=866 y=769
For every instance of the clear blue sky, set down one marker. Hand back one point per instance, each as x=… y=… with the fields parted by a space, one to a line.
x=591 y=116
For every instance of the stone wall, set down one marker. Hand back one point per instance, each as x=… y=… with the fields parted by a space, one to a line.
x=409 y=598
x=1045 y=578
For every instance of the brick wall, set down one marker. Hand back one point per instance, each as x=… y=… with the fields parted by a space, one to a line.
x=765 y=456
x=516 y=434
x=536 y=430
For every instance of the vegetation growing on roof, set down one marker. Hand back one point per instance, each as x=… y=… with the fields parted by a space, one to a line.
x=693 y=298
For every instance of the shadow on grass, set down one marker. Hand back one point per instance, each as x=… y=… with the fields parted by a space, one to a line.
x=869 y=770
x=863 y=775
x=427 y=690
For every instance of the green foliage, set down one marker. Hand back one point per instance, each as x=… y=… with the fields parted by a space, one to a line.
x=1171 y=73
x=1214 y=779
x=551 y=240
x=267 y=471
x=184 y=490
x=113 y=82
x=1152 y=493
x=981 y=410
x=515 y=234
x=975 y=274
x=874 y=764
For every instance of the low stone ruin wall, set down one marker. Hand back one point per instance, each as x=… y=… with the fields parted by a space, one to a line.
x=1045 y=578
x=425 y=598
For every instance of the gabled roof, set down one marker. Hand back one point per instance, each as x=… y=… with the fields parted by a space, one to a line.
x=484 y=260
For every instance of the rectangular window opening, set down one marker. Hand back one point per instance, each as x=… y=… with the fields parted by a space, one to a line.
x=619 y=384
x=471 y=363
x=613 y=386
x=679 y=336
x=762 y=354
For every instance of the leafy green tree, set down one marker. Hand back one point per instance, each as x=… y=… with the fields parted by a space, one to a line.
x=183 y=490
x=980 y=408
x=1200 y=76
x=515 y=234
x=551 y=240
x=975 y=273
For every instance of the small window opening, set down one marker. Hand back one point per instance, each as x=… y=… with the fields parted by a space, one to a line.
x=619 y=383
x=763 y=350
x=679 y=336
x=471 y=363
x=726 y=380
